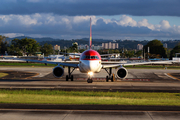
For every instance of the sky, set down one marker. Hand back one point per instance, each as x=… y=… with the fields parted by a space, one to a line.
x=111 y=19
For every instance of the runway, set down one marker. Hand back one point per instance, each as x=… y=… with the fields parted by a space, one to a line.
x=87 y=115
x=138 y=80
x=143 y=80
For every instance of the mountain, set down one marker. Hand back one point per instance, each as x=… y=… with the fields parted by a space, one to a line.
x=37 y=39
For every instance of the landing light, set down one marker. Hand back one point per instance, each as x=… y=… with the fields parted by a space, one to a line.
x=90 y=73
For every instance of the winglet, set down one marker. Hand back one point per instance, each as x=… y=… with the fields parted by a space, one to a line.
x=90 y=39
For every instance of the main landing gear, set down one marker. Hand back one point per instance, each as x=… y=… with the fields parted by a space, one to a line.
x=69 y=76
x=111 y=76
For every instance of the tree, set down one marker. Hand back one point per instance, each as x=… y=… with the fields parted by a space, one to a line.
x=23 y=46
x=74 y=47
x=29 y=46
x=3 y=44
x=156 y=49
x=82 y=50
x=139 y=53
x=14 y=48
x=175 y=50
x=46 y=49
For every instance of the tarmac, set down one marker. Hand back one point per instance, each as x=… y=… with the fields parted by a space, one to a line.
x=138 y=80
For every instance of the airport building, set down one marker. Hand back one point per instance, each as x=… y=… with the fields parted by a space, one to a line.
x=110 y=45
x=56 y=47
x=96 y=47
x=83 y=47
x=87 y=47
x=165 y=45
x=139 y=46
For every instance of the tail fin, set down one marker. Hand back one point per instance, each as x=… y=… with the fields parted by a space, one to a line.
x=90 y=39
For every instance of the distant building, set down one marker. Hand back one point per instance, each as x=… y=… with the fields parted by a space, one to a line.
x=56 y=47
x=87 y=47
x=83 y=47
x=96 y=47
x=165 y=45
x=139 y=46
x=110 y=45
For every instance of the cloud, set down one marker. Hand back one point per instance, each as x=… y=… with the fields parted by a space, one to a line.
x=73 y=27
x=92 y=7
x=11 y=35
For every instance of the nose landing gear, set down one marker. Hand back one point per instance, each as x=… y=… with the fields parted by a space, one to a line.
x=89 y=80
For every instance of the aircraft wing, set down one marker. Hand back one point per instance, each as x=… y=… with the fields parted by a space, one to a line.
x=136 y=63
x=68 y=64
x=76 y=54
x=109 y=54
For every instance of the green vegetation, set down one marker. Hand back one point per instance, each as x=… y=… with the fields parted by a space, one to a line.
x=156 y=49
x=52 y=65
x=78 y=97
x=46 y=49
x=153 y=66
x=3 y=44
x=24 y=64
x=29 y=46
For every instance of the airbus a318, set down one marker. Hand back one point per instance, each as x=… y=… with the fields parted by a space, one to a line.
x=90 y=62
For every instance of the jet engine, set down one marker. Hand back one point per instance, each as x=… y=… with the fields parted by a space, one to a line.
x=122 y=72
x=58 y=71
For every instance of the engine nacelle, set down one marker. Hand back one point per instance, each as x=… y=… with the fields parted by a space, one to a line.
x=58 y=71
x=122 y=72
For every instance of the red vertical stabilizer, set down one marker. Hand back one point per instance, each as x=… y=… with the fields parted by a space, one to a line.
x=90 y=39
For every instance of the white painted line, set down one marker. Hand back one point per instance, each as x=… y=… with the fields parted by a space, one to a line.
x=170 y=76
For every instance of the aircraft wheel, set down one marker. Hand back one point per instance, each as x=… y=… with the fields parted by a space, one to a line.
x=67 y=77
x=72 y=77
x=112 y=79
x=89 y=80
x=107 y=78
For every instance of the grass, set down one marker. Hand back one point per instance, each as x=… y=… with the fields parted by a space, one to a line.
x=52 y=65
x=152 y=66
x=24 y=64
x=81 y=97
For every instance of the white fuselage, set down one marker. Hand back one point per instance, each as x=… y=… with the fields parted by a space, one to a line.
x=86 y=66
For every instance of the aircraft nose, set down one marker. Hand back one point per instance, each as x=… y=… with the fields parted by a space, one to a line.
x=93 y=65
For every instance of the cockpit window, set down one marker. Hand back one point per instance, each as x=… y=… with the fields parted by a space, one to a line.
x=90 y=57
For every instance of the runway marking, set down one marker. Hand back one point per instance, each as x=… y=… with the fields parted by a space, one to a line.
x=136 y=79
x=41 y=75
x=128 y=79
x=161 y=75
x=169 y=75
x=32 y=76
x=92 y=78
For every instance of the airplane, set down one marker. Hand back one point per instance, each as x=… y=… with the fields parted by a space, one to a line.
x=55 y=58
x=90 y=62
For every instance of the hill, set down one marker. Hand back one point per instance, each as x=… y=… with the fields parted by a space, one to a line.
x=128 y=44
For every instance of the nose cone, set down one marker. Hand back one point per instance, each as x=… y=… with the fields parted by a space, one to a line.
x=93 y=66
x=90 y=65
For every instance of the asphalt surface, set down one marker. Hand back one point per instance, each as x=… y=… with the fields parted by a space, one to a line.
x=140 y=80
x=143 y=80
x=87 y=115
